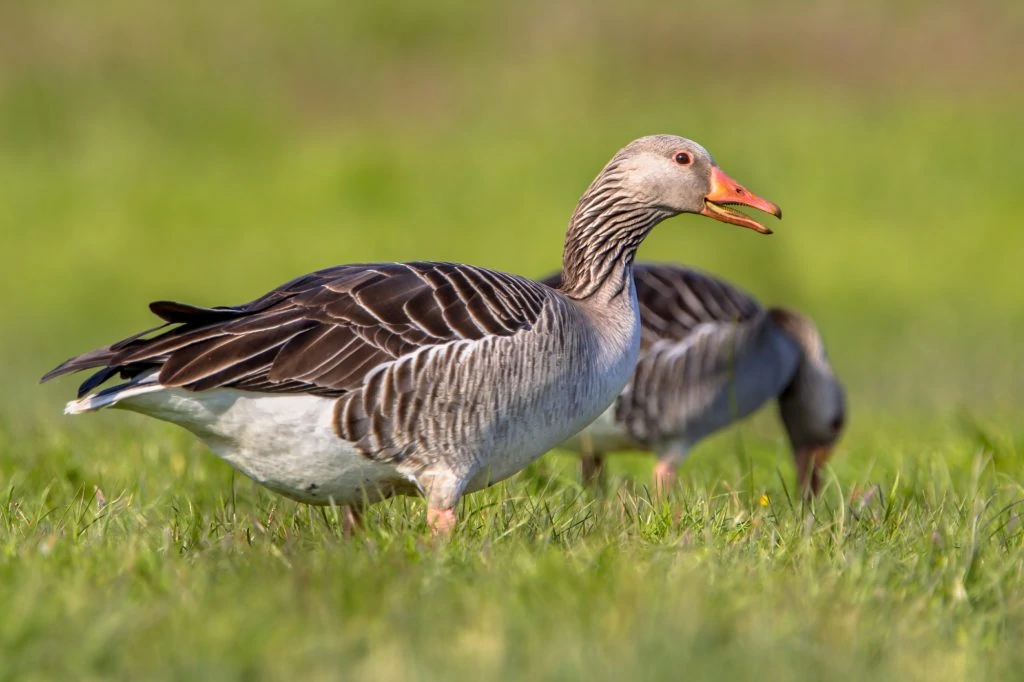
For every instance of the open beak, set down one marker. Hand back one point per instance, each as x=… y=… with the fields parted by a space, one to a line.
x=727 y=192
x=809 y=461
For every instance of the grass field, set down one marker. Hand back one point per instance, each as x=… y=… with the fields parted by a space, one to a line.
x=196 y=152
x=177 y=570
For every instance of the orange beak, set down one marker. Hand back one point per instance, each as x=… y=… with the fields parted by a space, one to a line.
x=727 y=192
x=809 y=461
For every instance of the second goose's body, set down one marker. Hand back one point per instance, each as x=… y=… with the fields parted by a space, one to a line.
x=358 y=382
x=710 y=356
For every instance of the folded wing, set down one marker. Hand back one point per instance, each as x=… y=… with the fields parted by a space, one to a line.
x=321 y=333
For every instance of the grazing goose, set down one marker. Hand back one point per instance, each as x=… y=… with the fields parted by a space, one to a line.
x=358 y=382
x=710 y=355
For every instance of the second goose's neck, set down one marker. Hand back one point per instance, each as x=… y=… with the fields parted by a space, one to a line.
x=604 y=233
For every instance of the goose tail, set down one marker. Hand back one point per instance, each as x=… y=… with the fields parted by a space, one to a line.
x=109 y=397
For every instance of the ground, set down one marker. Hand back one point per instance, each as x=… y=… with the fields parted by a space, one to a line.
x=151 y=559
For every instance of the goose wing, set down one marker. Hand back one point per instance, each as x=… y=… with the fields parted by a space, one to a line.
x=675 y=301
x=710 y=355
x=719 y=373
x=322 y=333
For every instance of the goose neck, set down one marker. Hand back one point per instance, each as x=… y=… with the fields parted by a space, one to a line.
x=601 y=243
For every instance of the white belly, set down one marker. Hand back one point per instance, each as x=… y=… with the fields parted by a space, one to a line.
x=285 y=442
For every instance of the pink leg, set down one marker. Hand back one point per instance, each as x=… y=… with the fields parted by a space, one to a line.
x=441 y=521
x=351 y=520
x=442 y=488
x=664 y=477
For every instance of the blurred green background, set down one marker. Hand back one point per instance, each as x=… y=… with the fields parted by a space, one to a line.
x=209 y=151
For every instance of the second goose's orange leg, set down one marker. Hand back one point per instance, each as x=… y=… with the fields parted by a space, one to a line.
x=665 y=470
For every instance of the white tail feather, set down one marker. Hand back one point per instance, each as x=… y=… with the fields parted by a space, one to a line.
x=112 y=396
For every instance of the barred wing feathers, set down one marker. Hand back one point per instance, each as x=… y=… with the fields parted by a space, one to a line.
x=322 y=333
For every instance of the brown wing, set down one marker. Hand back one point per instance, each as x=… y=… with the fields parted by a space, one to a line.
x=321 y=333
x=674 y=300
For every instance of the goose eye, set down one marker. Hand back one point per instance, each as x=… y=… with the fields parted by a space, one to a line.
x=836 y=424
x=683 y=159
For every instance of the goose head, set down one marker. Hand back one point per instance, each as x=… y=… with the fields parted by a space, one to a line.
x=647 y=181
x=676 y=175
x=813 y=405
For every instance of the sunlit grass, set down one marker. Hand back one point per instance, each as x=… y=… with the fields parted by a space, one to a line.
x=148 y=558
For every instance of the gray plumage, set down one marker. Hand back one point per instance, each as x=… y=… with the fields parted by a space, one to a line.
x=711 y=355
x=357 y=382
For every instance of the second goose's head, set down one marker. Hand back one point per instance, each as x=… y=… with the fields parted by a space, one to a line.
x=813 y=405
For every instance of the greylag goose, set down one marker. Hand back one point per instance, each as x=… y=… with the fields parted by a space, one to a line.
x=711 y=355
x=358 y=382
